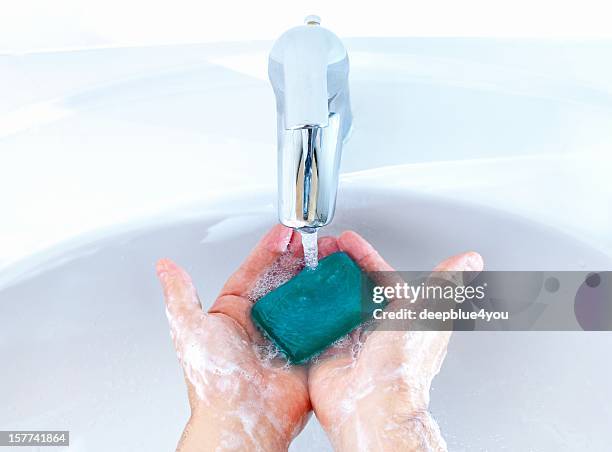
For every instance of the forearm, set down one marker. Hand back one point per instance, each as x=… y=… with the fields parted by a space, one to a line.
x=218 y=433
x=416 y=431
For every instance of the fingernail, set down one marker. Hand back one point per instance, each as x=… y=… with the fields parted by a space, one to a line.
x=277 y=240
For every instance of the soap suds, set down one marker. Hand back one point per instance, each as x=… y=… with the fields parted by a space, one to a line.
x=221 y=365
x=266 y=352
x=388 y=366
x=230 y=442
x=226 y=369
x=281 y=271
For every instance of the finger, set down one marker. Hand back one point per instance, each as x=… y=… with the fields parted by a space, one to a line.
x=327 y=245
x=430 y=346
x=234 y=300
x=180 y=295
x=457 y=270
x=295 y=248
x=436 y=342
x=362 y=252
x=470 y=261
x=368 y=259
x=268 y=250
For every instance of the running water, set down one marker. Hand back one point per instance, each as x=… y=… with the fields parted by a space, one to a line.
x=311 y=250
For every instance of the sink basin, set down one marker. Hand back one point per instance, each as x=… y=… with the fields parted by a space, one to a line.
x=198 y=114
x=87 y=347
x=476 y=144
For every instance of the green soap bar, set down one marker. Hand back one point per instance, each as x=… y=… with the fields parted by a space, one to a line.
x=318 y=306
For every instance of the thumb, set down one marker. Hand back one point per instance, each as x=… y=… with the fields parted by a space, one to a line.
x=465 y=262
x=183 y=307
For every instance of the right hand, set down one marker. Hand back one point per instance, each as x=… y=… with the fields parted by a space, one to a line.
x=374 y=393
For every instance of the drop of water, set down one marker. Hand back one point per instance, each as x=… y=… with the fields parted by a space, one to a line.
x=311 y=249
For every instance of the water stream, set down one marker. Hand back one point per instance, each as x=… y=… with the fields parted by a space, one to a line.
x=311 y=249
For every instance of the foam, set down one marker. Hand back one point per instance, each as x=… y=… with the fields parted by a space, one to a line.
x=281 y=271
x=421 y=355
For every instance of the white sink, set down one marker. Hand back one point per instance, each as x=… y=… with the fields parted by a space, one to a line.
x=96 y=138
x=88 y=335
x=496 y=146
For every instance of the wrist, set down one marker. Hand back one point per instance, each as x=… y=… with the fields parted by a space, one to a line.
x=212 y=430
x=377 y=430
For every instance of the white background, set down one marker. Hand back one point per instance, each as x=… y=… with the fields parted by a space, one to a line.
x=35 y=25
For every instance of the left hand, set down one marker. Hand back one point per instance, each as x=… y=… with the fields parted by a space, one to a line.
x=238 y=400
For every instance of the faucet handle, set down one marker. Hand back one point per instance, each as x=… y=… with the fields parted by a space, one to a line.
x=303 y=54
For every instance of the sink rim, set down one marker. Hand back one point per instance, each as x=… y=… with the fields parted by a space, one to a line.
x=253 y=201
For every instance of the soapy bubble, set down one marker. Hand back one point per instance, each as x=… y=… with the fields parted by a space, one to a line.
x=266 y=352
x=281 y=271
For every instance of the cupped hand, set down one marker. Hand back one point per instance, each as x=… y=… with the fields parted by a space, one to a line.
x=373 y=393
x=240 y=400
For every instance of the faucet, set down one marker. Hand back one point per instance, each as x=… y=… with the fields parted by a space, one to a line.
x=308 y=69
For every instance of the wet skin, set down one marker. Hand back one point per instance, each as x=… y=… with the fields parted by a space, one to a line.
x=370 y=394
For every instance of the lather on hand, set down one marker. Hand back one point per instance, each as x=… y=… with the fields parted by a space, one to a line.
x=374 y=400
x=374 y=393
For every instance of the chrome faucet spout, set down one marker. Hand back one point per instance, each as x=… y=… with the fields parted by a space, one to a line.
x=308 y=69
